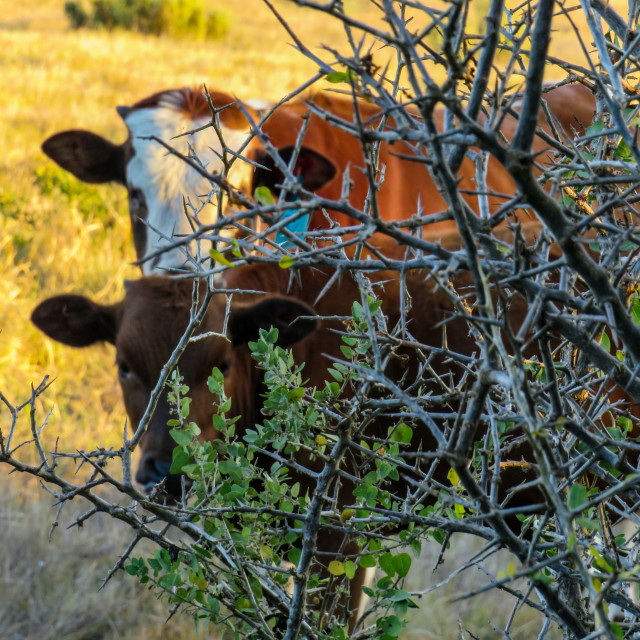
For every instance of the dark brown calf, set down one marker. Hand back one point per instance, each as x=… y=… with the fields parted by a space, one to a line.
x=147 y=324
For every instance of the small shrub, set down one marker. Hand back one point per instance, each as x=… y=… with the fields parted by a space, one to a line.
x=76 y=13
x=177 y=18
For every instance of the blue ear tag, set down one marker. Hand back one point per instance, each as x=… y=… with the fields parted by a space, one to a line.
x=299 y=225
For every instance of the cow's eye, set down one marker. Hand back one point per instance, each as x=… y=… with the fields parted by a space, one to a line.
x=223 y=367
x=136 y=198
x=124 y=373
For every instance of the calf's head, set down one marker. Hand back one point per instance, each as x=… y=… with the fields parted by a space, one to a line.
x=146 y=326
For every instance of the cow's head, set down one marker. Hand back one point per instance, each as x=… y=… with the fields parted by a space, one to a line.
x=146 y=326
x=158 y=182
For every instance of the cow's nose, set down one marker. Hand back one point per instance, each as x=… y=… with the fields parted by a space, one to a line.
x=151 y=471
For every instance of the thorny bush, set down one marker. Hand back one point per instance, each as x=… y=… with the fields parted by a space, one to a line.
x=535 y=425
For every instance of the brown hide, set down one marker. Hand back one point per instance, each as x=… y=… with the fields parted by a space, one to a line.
x=408 y=188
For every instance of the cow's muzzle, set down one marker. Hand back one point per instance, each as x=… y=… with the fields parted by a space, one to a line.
x=152 y=472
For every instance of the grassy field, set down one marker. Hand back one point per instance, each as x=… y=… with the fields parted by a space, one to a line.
x=58 y=235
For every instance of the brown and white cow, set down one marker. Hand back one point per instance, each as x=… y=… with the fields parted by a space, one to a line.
x=159 y=182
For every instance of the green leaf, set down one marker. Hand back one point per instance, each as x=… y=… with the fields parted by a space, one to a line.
x=625 y=423
x=295 y=394
x=387 y=565
x=286 y=505
x=170 y=580
x=218 y=257
x=181 y=437
x=596 y=127
x=595 y=246
x=185 y=404
x=293 y=556
x=503 y=426
x=236 y=251
x=367 y=561
x=605 y=342
x=336 y=568
x=347 y=352
x=374 y=305
x=384 y=469
x=264 y=196
x=350 y=569
x=438 y=535
x=402 y=433
x=286 y=262
x=180 y=460
x=336 y=77
x=244 y=604
x=389 y=626
x=587 y=523
x=622 y=152
x=402 y=564
x=290 y=537
x=577 y=496
x=368 y=493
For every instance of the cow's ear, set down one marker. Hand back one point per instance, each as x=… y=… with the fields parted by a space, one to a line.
x=76 y=320
x=293 y=319
x=314 y=169
x=88 y=156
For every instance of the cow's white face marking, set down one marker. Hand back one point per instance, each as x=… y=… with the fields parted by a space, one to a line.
x=162 y=182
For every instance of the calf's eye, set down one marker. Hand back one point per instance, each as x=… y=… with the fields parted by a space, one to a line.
x=124 y=373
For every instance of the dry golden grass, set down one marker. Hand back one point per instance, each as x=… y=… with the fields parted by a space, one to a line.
x=58 y=235
x=50 y=584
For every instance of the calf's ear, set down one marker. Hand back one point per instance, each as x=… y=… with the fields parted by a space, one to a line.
x=76 y=320
x=88 y=156
x=293 y=319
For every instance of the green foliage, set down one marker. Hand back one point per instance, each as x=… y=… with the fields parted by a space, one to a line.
x=255 y=504
x=177 y=18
